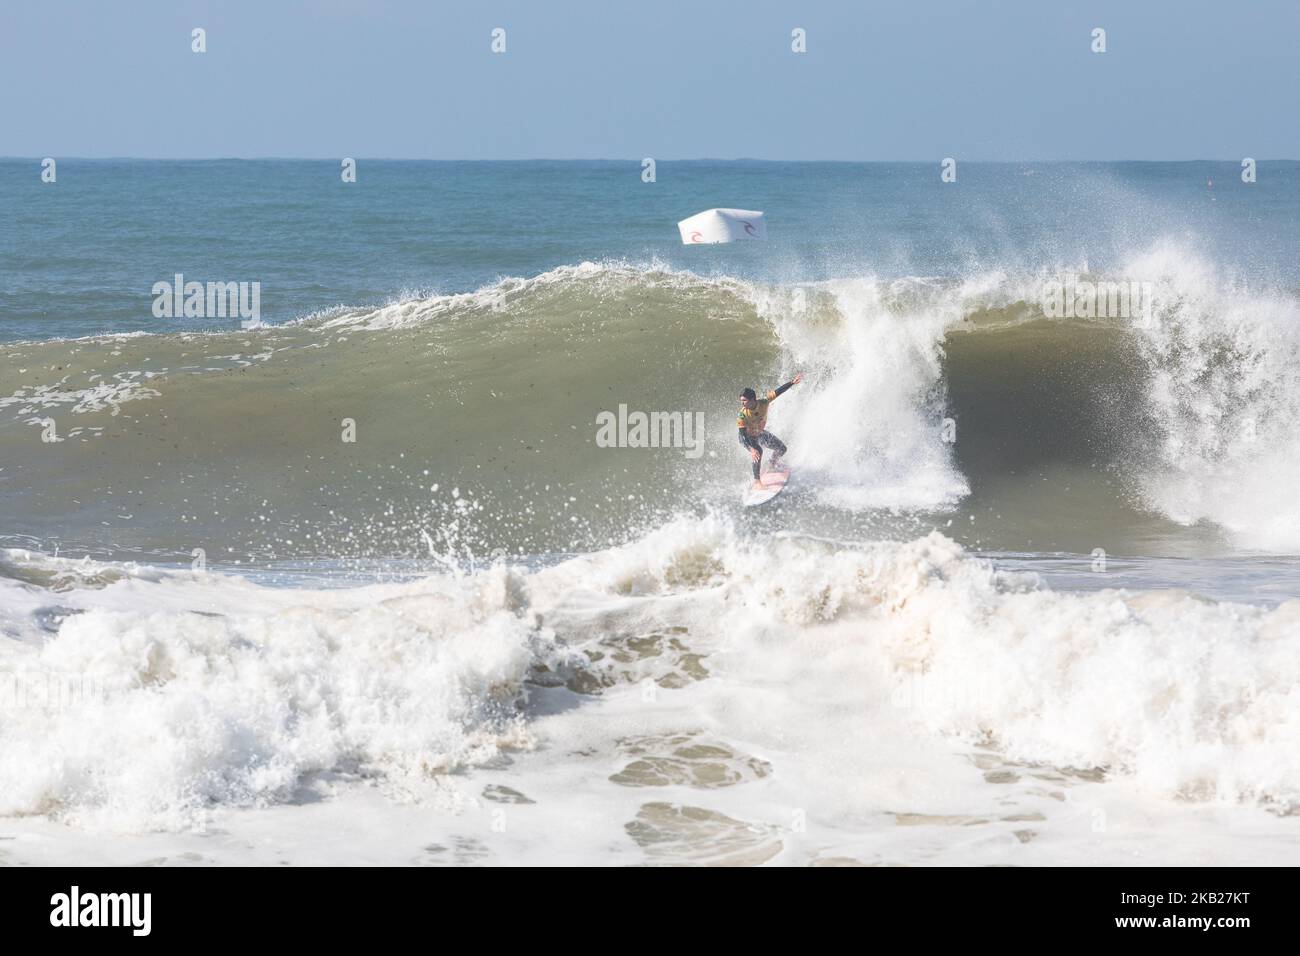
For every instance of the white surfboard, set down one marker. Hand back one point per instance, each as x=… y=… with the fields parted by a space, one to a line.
x=722 y=225
x=770 y=484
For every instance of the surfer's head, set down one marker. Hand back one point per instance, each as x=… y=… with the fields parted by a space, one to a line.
x=748 y=398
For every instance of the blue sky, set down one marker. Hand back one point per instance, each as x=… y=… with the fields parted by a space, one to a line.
x=987 y=80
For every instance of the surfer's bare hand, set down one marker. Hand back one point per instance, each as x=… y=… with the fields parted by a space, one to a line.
x=755 y=454
x=798 y=377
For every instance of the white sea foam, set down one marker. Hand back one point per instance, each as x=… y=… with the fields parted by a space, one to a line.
x=833 y=663
x=1225 y=396
x=191 y=691
x=869 y=422
x=1181 y=696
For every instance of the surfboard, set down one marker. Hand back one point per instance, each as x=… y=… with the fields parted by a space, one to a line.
x=770 y=484
x=723 y=225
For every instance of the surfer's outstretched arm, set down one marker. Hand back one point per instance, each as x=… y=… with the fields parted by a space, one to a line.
x=781 y=388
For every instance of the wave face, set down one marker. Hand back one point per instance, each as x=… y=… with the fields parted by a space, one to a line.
x=396 y=684
x=470 y=422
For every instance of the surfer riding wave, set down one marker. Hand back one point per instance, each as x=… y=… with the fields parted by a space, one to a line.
x=751 y=424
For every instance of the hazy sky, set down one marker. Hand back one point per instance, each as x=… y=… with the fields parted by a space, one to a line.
x=980 y=79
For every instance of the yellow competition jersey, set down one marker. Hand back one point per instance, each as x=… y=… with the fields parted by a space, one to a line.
x=754 y=420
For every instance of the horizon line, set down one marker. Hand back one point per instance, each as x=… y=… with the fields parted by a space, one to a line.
x=607 y=159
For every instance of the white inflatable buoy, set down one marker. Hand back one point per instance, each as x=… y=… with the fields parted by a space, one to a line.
x=722 y=225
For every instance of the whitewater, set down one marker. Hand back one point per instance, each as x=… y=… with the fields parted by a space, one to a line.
x=693 y=697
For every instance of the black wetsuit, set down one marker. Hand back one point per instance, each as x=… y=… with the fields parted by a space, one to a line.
x=763 y=439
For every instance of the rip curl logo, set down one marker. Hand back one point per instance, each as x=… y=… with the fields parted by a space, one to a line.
x=103 y=909
x=211 y=300
x=653 y=430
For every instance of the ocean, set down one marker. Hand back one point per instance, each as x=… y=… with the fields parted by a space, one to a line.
x=360 y=578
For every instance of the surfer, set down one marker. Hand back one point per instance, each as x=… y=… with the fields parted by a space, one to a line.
x=751 y=424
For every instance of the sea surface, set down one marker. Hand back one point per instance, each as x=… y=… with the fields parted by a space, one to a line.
x=359 y=579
